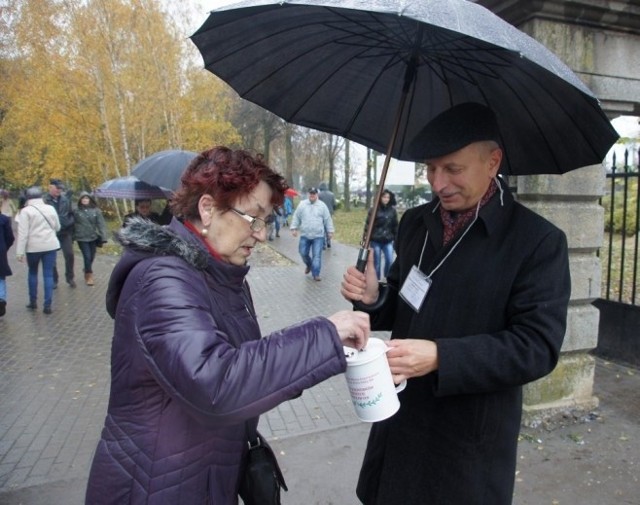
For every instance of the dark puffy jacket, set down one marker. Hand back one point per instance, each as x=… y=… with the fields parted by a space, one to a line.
x=189 y=371
x=386 y=224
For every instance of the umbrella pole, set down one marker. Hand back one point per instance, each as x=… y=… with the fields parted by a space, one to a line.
x=363 y=254
x=366 y=239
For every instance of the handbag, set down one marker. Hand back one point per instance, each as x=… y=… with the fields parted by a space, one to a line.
x=262 y=479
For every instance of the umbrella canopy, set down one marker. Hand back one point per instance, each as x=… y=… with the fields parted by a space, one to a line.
x=130 y=187
x=377 y=75
x=164 y=168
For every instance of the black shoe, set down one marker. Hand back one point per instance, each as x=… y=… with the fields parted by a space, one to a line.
x=32 y=306
x=72 y=283
x=47 y=310
x=3 y=307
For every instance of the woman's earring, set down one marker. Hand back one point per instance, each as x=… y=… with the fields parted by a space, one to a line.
x=204 y=232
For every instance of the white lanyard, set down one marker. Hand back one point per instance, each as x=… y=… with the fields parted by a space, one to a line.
x=416 y=286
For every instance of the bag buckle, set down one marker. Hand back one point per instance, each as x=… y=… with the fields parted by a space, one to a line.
x=254 y=444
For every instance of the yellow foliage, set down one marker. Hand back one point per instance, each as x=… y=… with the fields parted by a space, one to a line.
x=89 y=88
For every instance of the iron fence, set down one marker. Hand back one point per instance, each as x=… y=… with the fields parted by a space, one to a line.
x=622 y=207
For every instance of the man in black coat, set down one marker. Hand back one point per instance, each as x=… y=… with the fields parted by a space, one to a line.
x=61 y=202
x=477 y=303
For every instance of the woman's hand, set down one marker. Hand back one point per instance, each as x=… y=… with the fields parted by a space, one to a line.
x=353 y=327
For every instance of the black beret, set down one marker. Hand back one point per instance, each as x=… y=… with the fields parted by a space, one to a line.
x=454 y=129
x=57 y=183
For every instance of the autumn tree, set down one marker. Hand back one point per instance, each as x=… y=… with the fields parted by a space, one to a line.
x=91 y=87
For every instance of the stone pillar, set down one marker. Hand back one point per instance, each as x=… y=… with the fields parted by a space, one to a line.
x=570 y=201
x=598 y=40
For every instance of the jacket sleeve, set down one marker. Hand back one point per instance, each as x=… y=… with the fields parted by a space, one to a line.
x=102 y=226
x=57 y=226
x=23 y=232
x=217 y=378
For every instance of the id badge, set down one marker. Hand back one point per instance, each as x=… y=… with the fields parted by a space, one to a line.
x=415 y=288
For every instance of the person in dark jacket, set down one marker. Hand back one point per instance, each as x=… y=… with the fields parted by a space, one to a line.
x=384 y=232
x=477 y=304
x=190 y=373
x=143 y=209
x=90 y=231
x=61 y=202
x=6 y=241
x=327 y=197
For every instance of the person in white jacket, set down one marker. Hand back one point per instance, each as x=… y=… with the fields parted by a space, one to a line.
x=38 y=225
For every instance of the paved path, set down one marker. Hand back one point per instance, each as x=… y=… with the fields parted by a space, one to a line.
x=54 y=385
x=54 y=370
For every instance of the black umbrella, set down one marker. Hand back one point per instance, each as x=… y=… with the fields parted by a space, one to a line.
x=164 y=168
x=130 y=187
x=376 y=72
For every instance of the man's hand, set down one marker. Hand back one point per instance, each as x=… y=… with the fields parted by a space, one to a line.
x=411 y=358
x=361 y=287
x=294 y=233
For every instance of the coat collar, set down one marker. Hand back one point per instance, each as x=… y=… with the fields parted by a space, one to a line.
x=143 y=239
x=490 y=216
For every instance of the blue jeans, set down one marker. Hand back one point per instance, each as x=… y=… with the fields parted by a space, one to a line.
x=313 y=246
x=3 y=289
x=379 y=249
x=88 y=250
x=48 y=259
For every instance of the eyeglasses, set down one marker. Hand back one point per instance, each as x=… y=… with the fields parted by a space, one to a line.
x=255 y=223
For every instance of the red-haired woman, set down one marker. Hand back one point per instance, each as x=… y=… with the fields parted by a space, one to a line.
x=190 y=373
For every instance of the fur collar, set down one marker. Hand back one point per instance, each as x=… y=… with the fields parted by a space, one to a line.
x=144 y=236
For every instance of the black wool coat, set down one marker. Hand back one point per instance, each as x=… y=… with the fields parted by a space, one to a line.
x=497 y=310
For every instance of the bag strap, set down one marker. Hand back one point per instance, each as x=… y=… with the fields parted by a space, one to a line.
x=44 y=217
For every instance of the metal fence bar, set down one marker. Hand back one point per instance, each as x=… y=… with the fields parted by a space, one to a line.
x=622 y=180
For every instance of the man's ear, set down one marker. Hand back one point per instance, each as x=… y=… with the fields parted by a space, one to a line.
x=495 y=159
x=205 y=209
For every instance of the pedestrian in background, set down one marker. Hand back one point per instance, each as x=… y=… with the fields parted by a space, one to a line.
x=313 y=219
x=143 y=209
x=57 y=198
x=329 y=199
x=384 y=231
x=7 y=207
x=6 y=241
x=190 y=373
x=288 y=209
x=38 y=226
x=90 y=231
x=274 y=227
